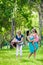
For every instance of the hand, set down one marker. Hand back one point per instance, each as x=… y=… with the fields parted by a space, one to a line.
x=19 y=41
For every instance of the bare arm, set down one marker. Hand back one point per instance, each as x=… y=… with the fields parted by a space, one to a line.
x=21 y=40
x=29 y=39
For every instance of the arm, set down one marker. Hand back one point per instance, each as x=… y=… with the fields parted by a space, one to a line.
x=29 y=39
x=21 y=40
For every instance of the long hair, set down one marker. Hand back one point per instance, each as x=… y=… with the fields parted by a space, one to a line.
x=35 y=30
x=27 y=33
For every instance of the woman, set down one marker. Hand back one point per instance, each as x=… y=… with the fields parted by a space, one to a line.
x=30 y=39
x=19 y=38
x=32 y=46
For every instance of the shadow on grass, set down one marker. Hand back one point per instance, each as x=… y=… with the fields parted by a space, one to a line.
x=41 y=60
x=25 y=60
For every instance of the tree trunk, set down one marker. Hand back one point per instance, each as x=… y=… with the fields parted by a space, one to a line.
x=12 y=31
x=13 y=21
x=41 y=18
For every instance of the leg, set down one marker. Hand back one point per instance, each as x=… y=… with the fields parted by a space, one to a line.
x=34 y=54
x=30 y=55
x=21 y=50
x=17 y=49
x=12 y=44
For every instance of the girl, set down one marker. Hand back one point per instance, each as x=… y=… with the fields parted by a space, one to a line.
x=19 y=38
x=36 y=39
x=19 y=42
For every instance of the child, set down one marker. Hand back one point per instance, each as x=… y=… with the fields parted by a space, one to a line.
x=19 y=38
x=36 y=39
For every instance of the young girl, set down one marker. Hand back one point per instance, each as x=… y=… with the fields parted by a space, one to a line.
x=19 y=42
x=36 y=39
x=19 y=37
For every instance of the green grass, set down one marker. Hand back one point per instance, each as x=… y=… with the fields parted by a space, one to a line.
x=8 y=57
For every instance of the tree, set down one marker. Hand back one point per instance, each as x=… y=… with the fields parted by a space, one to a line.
x=41 y=17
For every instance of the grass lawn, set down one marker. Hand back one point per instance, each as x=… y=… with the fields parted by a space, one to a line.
x=7 y=57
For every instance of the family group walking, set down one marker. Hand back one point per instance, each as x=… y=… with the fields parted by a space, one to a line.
x=32 y=41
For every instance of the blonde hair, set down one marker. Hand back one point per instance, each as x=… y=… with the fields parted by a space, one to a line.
x=19 y=31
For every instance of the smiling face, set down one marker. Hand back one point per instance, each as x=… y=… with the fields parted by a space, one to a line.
x=34 y=31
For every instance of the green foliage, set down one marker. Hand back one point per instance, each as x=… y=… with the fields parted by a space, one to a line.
x=20 y=10
x=6 y=7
